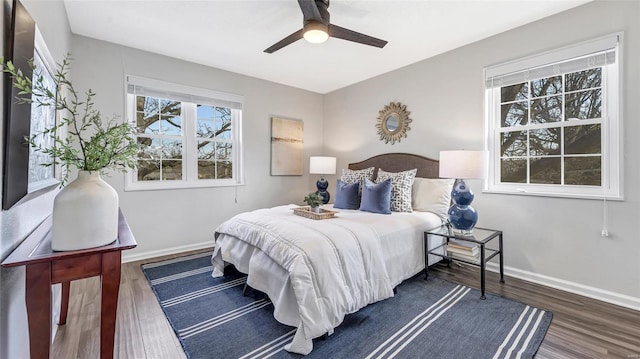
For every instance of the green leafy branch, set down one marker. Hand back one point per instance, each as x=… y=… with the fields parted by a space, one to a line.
x=313 y=199
x=91 y=144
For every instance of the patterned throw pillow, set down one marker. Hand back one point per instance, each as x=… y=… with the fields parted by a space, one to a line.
x=401 y=184
x=357 y=176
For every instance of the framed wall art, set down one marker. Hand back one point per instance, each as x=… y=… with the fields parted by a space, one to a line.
x=287 y=147
x=25 y=175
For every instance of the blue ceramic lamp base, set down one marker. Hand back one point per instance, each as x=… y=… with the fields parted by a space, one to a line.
x=322 y=186
x=462 y=216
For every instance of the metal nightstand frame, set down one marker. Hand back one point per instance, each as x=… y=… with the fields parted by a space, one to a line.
x=445 y=232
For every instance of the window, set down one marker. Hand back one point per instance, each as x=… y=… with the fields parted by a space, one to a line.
x=553 y=124
x=190 y=137
x=42 y=118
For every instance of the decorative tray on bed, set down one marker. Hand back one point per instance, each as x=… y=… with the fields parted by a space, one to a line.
x=307 y=213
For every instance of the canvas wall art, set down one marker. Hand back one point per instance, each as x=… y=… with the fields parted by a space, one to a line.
x=286 y=147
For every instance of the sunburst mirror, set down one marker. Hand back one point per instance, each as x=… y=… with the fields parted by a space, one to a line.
x=393 y=122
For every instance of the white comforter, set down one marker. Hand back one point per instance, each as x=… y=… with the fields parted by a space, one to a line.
x=336 y=266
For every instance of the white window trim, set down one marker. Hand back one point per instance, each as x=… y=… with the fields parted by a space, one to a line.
x=165 y=89
x=41 y=48
x=612 y=146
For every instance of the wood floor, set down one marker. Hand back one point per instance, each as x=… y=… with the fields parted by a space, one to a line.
x=581 y=327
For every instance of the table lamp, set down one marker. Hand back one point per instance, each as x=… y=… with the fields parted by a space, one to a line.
x=460 y=165
x=322 y=166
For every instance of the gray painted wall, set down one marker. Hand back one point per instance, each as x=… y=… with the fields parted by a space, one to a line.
x=167 y=219
x=161 y=220
x=552 y=240
x=552 y=237
x=19 y=221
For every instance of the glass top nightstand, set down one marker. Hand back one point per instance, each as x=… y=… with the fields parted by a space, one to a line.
x=464 y=249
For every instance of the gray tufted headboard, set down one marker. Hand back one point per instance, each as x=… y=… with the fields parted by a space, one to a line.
x=396 y=162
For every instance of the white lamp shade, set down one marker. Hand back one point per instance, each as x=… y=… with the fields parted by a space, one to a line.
x=322 y=165
x=463 y=164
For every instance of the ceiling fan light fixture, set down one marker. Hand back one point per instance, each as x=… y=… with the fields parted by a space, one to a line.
x=317 y=28
x=316 y=36
x=315 y=32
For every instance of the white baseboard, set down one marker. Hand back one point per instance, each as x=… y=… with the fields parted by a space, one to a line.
x=576 y=288
x=165 y=251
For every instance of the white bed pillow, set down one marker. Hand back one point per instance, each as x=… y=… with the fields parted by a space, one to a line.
x=432 y=195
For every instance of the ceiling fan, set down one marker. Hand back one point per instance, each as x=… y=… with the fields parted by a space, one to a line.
x=316 y=28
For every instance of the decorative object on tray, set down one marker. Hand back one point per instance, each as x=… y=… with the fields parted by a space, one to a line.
x=393 y=122
x=460 y=165
x=85 y=212
x=322 y=166
x=307 y=212
x=314 y=200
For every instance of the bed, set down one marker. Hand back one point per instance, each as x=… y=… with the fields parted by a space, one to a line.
x=316 y=272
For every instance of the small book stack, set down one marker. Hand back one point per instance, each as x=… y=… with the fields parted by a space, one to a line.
x=463 y=250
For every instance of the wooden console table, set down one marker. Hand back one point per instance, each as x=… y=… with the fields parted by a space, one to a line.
x=45 y=267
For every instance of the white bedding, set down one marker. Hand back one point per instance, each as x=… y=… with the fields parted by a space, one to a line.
x=316 y=272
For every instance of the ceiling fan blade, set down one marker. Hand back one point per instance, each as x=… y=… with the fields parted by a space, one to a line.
x=286 y=41
x=350 y=35
x=310 y=10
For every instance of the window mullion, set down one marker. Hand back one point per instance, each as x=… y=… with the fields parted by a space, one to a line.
x=562 y=155
x=191 y=144
x=237 y=147
x=605 y=127
x=564 y=121
x=529 y=114
x=528 y=180
x=131 y=113
x=493 y=133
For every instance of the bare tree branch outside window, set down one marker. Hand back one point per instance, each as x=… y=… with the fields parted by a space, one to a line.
x=558 y=104
x=160 y=131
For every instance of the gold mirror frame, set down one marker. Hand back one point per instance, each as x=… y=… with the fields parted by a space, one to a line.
x=394 y=111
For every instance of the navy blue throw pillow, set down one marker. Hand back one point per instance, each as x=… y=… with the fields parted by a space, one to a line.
x=347 y=196
x=376 y=197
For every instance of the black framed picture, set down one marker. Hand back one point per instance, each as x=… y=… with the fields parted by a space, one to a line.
x=24 y=175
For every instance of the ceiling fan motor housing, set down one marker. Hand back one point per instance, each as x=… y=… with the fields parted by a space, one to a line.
x=322 y=23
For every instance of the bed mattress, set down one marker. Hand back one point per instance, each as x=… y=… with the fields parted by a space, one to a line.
x=400 y=237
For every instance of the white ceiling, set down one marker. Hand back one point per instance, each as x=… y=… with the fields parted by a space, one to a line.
x=232 y=34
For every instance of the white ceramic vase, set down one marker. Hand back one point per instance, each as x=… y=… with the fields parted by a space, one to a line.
x=85 y=214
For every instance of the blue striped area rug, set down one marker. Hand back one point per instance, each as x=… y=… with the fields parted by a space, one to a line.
x=425 y=319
